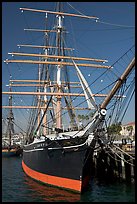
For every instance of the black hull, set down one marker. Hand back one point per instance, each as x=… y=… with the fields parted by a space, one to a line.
x=68 y=168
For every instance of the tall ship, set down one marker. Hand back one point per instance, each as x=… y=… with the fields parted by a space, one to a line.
x=9 y=147
x=60 y=143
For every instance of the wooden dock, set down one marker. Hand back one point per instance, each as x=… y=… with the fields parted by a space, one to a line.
x=114 y=163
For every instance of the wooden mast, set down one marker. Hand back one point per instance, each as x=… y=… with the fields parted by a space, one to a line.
x=42 y=81
x=44 y=46
x=42 y=107
x=10 y=119
x=58 y=44
x=60 y=63
x=57 y=94
x=45 y=129
x=56 y=57
x=59 y=13
x=57 y=63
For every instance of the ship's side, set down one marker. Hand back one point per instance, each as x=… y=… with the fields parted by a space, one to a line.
x=52 y=164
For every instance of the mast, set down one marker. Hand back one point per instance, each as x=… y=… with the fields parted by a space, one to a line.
x=60 y=61
x=10 y=118
x=58 y=44
x=46 y=77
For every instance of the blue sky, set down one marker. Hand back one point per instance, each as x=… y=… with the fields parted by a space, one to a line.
x=109 y=38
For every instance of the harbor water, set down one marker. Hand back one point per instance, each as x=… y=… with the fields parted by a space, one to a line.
x=18 y=187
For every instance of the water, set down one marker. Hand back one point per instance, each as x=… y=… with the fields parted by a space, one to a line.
x=17 y=187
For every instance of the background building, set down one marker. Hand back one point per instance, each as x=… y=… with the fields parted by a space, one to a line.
x=128 y=130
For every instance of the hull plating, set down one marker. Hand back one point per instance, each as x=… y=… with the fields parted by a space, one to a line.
x=68 y=168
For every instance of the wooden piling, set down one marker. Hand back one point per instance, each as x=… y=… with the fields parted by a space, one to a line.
x=109 y=165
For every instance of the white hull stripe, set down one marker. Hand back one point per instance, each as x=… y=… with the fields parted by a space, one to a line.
x=68 y=146
x=33 y=150
x=55 y=148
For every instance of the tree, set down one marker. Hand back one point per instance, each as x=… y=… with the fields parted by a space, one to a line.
x=83 y=117
x=114 y=129
x=91 y=114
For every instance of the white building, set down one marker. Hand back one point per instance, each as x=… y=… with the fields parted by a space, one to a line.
x=125 y=132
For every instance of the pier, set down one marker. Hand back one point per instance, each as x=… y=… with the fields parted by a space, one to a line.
x=114 y=163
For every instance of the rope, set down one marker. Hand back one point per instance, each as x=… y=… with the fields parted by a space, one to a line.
x=82 y=91
x=124 y=152
x=113 y=157
x=128 y=105
x=121 y=157
x=103 y=22
x=18 y=126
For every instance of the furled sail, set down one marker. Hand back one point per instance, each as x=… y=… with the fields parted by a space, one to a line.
x=88 y=94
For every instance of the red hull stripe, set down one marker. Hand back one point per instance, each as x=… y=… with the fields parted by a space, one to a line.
x=53 y=180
